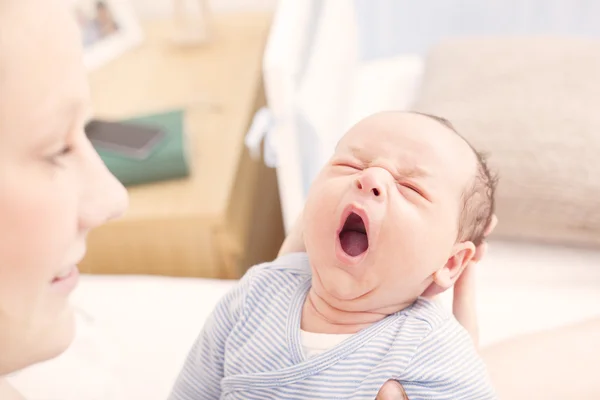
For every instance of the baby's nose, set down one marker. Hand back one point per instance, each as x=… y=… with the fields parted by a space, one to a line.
x=370 y=182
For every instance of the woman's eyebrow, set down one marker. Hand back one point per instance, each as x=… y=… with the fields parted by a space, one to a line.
x=72 y=108
x=56 y=121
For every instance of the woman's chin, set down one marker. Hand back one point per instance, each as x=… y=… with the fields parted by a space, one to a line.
x=58 y=337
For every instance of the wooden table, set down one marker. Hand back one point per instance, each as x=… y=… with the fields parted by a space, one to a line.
x=204 y=225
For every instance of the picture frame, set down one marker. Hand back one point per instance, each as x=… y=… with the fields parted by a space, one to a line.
x=108 y=29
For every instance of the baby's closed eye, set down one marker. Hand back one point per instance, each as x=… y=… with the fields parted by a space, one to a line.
x=348 y=166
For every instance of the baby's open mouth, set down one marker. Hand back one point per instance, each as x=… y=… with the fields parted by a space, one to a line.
x=353 y=236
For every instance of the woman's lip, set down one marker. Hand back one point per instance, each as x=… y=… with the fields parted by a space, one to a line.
x=67 y=283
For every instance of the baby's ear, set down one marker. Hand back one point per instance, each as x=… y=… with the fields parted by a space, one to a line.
x=462 y=253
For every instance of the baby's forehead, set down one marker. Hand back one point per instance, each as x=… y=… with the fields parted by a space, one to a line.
x=397 y=127
x=411 y=138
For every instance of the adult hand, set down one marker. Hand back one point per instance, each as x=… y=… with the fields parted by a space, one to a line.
x=463 y=303
x=391 y=390
x=294 y=242
x=463 y=306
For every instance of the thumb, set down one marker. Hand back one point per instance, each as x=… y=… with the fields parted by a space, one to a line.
x=391 y=390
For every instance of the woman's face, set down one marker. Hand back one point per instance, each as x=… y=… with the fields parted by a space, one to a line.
x=53 y=186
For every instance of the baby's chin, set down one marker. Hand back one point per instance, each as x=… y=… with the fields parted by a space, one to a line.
x=338 y=285
x=347 y=289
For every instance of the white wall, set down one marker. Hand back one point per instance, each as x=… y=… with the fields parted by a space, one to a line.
x=161 y=8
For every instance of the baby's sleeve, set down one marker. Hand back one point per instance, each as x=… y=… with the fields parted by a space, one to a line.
x=446 y=366
x=202 y=371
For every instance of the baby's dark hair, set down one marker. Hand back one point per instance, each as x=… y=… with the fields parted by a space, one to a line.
x=478 y=199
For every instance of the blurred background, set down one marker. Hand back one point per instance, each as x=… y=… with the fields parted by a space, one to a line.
x=218 y=114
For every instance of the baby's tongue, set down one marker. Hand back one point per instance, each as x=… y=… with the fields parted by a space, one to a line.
x=354 y=243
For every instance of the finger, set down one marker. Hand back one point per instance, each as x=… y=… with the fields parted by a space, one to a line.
x=432 y=291
x=482 y=248
x=392 y=390
x=466 y=280
x=480 y=252
x=491 y=226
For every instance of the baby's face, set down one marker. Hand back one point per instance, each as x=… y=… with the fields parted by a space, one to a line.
x=382 y=216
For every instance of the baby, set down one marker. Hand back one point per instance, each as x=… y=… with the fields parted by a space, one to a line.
x=397 y=212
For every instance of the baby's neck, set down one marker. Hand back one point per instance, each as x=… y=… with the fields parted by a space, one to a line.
x=319 y=316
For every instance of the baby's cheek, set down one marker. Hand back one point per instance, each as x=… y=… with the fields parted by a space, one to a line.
x=320 y=214
x=321 y=199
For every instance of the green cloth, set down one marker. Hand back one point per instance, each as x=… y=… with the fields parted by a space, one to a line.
x=168 y=159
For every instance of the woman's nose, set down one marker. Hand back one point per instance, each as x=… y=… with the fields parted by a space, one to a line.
x=371 y=182
x=104 y=198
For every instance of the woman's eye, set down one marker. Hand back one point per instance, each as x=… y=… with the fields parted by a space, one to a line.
x=63 y=152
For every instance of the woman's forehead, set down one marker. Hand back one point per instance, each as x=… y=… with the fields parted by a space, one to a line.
x=39 y=39
x=42 y=72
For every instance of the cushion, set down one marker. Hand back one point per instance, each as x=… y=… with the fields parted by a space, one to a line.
x=532 y=104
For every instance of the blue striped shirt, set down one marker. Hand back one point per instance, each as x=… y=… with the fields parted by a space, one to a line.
x=250 y=348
